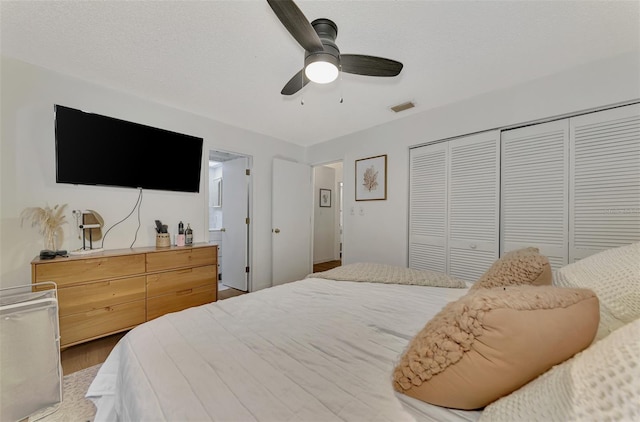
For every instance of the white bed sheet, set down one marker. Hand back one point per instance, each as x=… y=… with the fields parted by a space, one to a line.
x=311 y=350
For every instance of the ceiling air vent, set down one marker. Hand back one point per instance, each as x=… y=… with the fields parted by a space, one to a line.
x=402 y=107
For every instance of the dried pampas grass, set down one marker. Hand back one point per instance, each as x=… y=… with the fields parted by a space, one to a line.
x=49 y=220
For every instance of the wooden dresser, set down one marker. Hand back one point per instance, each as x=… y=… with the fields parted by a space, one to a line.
x=111 y=291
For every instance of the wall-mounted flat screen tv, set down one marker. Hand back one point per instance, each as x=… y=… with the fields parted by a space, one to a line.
x=98 y=150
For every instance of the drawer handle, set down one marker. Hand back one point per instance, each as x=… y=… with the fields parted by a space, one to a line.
x=184 y=292
x=98 y=311
x=473 y=246
x=98 y=261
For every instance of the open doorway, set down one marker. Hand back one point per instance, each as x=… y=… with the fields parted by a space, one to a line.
x=327 y=216
x=229 y=210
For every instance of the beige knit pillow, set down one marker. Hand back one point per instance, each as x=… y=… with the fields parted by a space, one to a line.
x=391 y=274
x=522 y=266
x=493 y=341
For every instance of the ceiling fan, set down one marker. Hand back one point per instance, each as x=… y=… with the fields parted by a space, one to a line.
x=322 y=58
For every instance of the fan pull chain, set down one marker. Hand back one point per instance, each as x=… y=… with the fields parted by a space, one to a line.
x=341 y=96
x=302 y=84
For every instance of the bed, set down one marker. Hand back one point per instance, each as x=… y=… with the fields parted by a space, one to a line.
x=315 y=349
x=323 y=349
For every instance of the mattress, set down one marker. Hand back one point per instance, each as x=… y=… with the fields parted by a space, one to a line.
x=311 y=350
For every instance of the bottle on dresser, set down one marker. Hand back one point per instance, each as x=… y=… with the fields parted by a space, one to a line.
x=188 y=236
x=180 y=235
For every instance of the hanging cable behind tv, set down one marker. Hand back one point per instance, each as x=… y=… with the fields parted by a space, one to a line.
x=138 y=205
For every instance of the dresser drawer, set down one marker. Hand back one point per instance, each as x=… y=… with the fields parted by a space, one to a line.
x=100 y=294
x=179 y=280
x=81 y=270
x=100 y=322
x=189 y=257
x=174 y=302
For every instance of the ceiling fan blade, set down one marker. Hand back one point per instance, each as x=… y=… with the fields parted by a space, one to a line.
x=297 y=24
x=369 y=65
x=295 y=84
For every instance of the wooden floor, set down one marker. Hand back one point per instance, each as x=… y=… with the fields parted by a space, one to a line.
x=229 y=292
x=88 y=354
x=94 y=352
x=324 y=266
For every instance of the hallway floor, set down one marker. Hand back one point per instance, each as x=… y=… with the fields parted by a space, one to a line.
x=324 y=266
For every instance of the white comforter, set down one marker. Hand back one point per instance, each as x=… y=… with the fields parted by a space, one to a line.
x=312 y=350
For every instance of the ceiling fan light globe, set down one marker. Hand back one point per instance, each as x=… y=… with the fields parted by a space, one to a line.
x=321 y=72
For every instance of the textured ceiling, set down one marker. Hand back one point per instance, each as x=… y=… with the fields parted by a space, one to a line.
x=228 y=60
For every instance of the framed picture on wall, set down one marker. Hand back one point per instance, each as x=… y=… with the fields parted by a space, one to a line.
x=371 y=178
x=325 y=197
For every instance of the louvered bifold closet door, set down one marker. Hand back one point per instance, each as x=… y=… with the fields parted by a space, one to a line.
x=605 y=187
x=474 y=204
x=534 y=190
x=428 y=207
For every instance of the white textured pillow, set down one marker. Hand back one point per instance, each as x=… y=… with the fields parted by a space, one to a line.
x=601 y=383
x=614 y=275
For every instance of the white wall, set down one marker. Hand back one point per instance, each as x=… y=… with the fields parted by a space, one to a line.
x=381 y=233
x=324 y=219
x=27 y=170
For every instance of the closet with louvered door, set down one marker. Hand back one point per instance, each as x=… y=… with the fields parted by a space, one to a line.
x=473 y=204
x=454 y=205
x=604 y=210
x=534 y=186
x=571 y=187
x=428 y=207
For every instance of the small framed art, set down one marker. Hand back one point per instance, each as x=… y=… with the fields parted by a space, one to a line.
x=325 y=198
x=371 y=178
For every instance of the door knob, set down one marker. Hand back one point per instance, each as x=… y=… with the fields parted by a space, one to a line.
x=223 y=229
x=276 y=231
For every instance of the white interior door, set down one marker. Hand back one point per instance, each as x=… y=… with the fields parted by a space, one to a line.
x=605 y=181
x=473 y=204
x=535 y=188
x=428 y=208
x=235 y=208
x=291 y=221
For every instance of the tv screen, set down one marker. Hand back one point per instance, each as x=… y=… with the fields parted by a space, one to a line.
x=98 y=150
